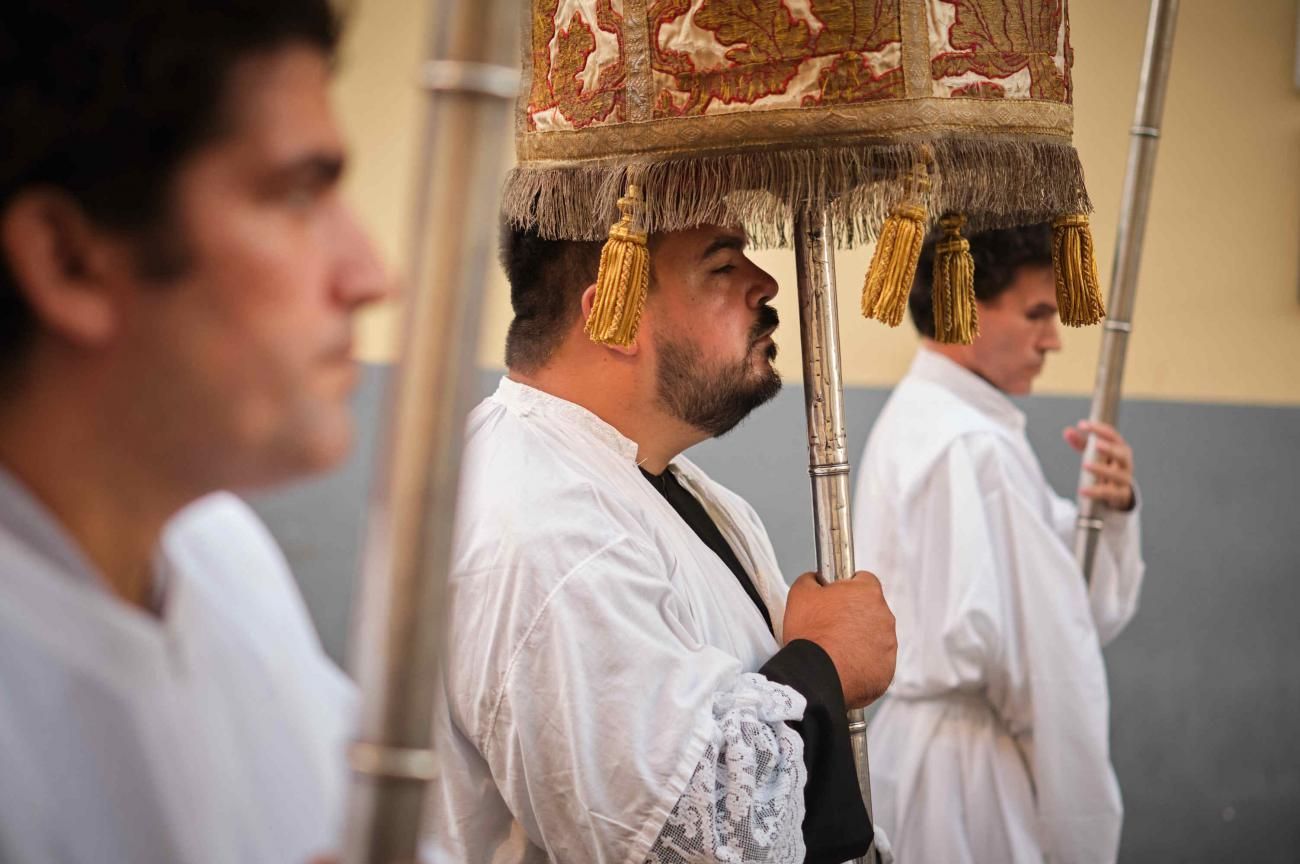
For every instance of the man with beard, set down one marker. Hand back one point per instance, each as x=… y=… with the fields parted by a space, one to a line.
x=628 y=679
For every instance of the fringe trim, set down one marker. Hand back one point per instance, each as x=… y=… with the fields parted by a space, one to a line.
x=996 y=183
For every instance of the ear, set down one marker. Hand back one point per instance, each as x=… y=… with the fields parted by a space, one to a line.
x=589 y=300
x=59 y=261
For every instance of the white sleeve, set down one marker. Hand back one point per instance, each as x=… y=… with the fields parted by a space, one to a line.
x=744 y=803
x=1056 y=693
x=1118 y=569
x=959 y=603
x=609 y=705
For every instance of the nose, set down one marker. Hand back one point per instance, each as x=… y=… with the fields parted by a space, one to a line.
x=763 y=288
x=361 y=278
x=1051 y=337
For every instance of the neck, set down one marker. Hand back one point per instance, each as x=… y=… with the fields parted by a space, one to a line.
x=959 y=354
x=620 y=393
x=95 y=477
x=963 y=356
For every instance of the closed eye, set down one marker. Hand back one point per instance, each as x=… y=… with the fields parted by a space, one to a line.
x=305 y=181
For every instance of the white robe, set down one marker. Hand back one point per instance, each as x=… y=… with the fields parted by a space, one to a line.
x=601 y=656
x=992 y=745
x=211 y=735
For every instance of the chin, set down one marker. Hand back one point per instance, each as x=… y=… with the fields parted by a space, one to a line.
x=307 y=449
x=329 y=446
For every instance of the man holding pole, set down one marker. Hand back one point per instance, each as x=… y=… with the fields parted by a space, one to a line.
x=992 y=745
x=627 y=678
x=178 y=276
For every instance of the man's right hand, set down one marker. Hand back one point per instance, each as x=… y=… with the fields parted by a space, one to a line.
x=852 y=623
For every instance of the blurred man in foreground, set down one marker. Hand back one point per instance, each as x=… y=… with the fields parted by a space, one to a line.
x=177 y=281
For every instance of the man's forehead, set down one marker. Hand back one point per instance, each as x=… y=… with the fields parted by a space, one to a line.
x=1033 y=284
x=278 y=103
x=703 y=241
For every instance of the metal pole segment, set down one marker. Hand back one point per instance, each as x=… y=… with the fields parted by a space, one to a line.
x=472 y=83
x=828 y=463
x=1143 y=139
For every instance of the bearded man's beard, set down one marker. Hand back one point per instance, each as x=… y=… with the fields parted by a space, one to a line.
x=714 y=398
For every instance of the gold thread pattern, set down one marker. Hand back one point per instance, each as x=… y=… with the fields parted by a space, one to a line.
x=994 y=39
x=661 y=59
x=895 y=119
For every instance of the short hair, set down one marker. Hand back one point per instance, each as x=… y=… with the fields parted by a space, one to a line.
x=105 y=99
x=999 y=255
x=547 y=278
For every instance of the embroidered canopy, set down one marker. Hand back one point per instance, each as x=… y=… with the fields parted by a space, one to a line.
x=803 y=99
x=736 y=111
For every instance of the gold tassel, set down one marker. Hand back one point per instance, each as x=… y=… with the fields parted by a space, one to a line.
x=1078 y=290
x=624 y=276
x=956 y=318
x=893 y=266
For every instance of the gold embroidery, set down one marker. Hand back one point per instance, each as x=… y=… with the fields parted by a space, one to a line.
x=914 y=26
x=767 y=47
x=892 y=120
x=848 y=80
x=996 y=39
x=558 y=84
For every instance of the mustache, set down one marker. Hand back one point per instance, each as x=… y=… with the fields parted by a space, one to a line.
x=766 y=322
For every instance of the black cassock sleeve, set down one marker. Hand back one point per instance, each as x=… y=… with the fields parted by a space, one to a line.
x=835 y=826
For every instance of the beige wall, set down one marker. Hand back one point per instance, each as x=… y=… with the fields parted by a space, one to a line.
x=1218 y=313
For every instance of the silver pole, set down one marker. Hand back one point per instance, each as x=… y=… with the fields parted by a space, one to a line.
x=828 y=459
x=1143 y=139
x=471 y=82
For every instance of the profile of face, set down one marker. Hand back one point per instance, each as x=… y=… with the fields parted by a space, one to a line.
x=248 y=352
x=1017 y=330
x=711 y=328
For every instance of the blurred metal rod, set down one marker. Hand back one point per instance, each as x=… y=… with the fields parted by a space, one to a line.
x=471 y=82
x=1144 y=136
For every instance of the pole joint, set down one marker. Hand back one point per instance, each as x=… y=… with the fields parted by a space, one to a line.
x=393 y=763
x=476 y=79
x=832 y=469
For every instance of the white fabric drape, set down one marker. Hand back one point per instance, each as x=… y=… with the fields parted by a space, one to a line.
x=214 y=734
x=992 y=746
x=598 y=651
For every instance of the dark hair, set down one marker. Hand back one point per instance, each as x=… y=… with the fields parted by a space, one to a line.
x=105 y=99
x=998 y=254
x=547 y=278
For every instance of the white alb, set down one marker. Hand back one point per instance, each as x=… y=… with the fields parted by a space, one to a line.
x=992 y=744
x=213 y=734
x=599 y=679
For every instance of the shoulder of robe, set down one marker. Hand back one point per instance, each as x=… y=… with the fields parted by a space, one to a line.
x=228 y=554
x=540 y=497
x=222 y=529
x=922 y=418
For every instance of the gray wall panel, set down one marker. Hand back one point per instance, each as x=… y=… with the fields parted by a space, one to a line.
x=1205 y=683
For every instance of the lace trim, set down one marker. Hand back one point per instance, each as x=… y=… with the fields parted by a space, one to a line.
x=744 y=802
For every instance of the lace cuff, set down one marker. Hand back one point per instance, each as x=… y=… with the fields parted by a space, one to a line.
x=744 y=803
